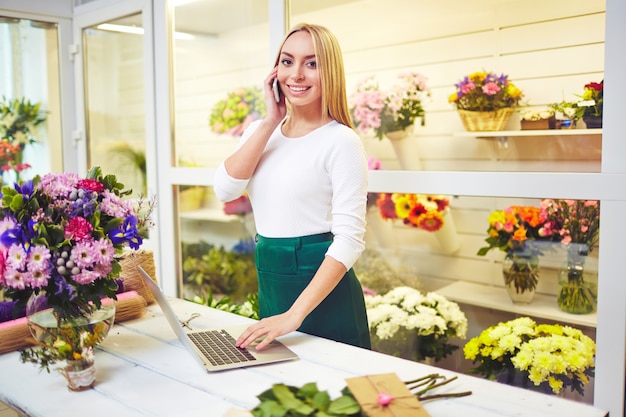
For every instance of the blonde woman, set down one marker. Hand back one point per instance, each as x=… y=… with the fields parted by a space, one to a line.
x=305 y=171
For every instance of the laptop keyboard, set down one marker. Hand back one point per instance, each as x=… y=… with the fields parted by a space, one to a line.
x=219 y=347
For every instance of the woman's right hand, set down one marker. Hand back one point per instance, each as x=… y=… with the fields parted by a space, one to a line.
x=276 y=111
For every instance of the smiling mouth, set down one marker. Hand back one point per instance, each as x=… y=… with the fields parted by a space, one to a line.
x=298 y=89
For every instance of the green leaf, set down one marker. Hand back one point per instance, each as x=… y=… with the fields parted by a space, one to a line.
x=321 y=400
x=288 y=399
x=270 y=409
x=344 y=405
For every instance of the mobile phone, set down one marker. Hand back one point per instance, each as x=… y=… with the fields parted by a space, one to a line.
x=276 y=90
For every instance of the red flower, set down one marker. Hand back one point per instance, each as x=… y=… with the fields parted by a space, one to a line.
x=78 y=228
x=386 y=206
x=91 y=185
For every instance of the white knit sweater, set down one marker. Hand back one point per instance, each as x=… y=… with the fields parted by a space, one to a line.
x=307 y=185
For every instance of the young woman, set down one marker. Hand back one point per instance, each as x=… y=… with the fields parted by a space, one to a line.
x=305 y=171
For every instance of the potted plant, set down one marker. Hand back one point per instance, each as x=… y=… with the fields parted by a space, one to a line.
x=550 y=356
x=537 y=119
x=567 y=114
x=485 y=100
x=592 y=103
x=19 y=119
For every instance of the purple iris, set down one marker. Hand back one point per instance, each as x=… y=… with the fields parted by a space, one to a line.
x=127 y=232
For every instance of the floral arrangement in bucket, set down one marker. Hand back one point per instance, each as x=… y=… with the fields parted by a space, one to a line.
x=234 y=113
x=485 y=92
x=61 y=238
x=397 y=110
x=551 y=354
x=404 y=312
x=423 y=211
x=523 y=233
x=576 y=223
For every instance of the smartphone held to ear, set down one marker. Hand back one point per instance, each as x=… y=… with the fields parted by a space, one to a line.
x=276 y=90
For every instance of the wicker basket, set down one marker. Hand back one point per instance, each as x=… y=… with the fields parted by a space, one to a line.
x=133 y=281
x=485 y=121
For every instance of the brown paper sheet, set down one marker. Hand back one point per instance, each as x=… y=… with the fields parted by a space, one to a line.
x=366 y=389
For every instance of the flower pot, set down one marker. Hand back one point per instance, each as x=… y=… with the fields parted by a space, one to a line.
x=577 y=289
x=541 y=124
x=80 y=375
x=479 y=121
x=405 y=151
x=520 y=271
x=593 y=122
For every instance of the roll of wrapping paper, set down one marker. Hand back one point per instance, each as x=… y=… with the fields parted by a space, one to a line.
x=14 y=334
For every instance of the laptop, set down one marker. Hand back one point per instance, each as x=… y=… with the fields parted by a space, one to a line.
x=214 y=349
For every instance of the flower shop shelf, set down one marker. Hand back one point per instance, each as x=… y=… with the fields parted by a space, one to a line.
x=548 y=133
x=209 y=214
x=496 y=298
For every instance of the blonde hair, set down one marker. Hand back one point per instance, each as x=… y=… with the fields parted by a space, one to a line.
x=331 y=69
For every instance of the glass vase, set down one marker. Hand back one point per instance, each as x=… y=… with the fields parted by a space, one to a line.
x=520 y=270
x=46 y=326
x=577 y=289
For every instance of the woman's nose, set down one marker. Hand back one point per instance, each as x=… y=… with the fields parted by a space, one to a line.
x=296 y=74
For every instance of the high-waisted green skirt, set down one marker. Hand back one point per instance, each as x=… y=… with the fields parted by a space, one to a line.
x=285 y=266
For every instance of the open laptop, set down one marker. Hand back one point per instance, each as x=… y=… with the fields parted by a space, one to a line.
x=215 y=349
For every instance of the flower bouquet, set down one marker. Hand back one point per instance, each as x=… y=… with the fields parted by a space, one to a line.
x=576 y=223
x=405 y=313
x=397 y=110
x=549 y=354
x=234 y=113
x=61 y=238
x=485 y=101
x=523 y=233
x=422 y=211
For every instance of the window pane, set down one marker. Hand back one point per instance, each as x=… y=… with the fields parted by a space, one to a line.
x=220 y=61
x=115 y=102
x=29 y=75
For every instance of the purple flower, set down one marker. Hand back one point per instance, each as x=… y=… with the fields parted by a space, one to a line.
x=127 y=232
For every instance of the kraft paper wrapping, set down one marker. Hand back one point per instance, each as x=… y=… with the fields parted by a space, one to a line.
x=367 y=388
x=14 y=334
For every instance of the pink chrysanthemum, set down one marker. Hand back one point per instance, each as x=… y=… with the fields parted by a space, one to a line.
x=14 y=279
x=114 y=206
x=38 y=279
x=58 y=185
x=83 y=255
x=103 y=251
x=85 y=277
x=38 y=259
x=16 y=257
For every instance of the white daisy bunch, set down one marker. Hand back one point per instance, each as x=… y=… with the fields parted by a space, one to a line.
x=408 y=308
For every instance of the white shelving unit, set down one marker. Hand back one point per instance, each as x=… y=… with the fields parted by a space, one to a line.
x=551 y=133
x=496 y=298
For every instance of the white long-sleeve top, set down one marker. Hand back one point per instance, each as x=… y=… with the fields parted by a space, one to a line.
x=307 y=185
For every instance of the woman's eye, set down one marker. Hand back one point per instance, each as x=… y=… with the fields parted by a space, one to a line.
x=312 y=64
x=286 y=61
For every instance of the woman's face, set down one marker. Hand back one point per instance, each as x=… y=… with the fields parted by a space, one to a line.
x=298 y=74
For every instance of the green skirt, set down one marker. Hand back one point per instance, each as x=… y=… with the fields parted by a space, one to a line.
x=285 y=266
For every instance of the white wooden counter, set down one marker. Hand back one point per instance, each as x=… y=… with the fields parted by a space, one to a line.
x=142 y=370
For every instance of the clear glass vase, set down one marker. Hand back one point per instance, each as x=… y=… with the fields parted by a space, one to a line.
x=520 y=270
x=577 y=287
